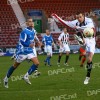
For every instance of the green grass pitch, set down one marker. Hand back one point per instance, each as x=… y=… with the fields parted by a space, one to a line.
x=54 y=83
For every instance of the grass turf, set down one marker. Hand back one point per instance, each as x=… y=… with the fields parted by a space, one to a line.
x=54 y=83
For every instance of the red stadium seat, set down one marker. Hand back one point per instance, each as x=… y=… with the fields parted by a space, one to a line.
x=61 y=7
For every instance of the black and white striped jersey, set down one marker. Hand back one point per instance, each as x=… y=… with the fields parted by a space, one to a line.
x=64 y=38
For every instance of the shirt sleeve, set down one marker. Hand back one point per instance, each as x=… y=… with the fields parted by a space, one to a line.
x=36 y=38
x=52 y=39
x=60 y=36
x=71 y=24
x=43 y=39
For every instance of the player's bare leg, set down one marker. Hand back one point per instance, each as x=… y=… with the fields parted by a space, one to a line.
x=89 y=67
x=32 y=69
x=67 y=58
x=9 y=73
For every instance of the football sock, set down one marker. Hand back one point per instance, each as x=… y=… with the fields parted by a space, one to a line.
x=80 y=56
x=46 y=59
x=89 y=68
x=10 y=71
x=83 y=60
x=67 y=57
x=32 y=69
x=26 y=75
x=49 y=60
x=59 y=58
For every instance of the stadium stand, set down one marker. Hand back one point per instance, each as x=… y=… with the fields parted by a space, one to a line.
x=8 y=36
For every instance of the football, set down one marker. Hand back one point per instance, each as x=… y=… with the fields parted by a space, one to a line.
x=88 y=32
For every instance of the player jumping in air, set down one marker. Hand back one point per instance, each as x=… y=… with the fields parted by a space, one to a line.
x=64 y=47
x=79 y=25
x=48 y=42
x=36 y=40
x=25 y=50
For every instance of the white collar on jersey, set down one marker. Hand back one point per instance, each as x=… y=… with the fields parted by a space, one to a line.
x=47 y=35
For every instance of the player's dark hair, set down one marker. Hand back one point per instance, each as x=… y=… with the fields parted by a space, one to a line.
x=79 y=12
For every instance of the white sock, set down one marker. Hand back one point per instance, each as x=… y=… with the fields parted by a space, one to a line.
x=26 y=75
x=6 y=78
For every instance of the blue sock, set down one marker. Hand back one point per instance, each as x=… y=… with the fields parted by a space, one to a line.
x=46 y=59
x=32 y=69
x=10 y=71
x=49 y=60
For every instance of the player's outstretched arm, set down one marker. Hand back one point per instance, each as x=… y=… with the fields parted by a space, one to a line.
x=71 y=24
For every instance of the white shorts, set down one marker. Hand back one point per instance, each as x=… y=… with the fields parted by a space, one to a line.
x=90 y=45
x=21 y=57
x=48 y=50
x=65 y=48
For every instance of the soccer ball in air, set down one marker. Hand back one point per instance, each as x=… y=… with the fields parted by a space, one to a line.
x=88 y=32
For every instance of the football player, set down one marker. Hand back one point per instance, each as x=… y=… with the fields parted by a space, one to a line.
x=79 y=25
x=48 y=42
x=64 y=46
x=25 y=50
